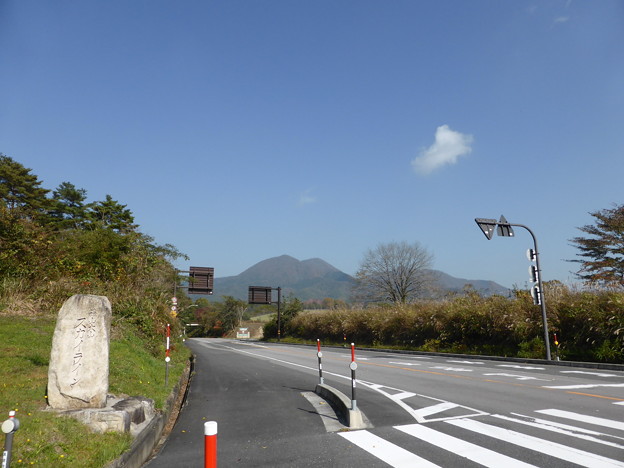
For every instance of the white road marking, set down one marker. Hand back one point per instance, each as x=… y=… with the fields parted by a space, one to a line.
x=587 y=419
x=388 y=452
x=419 y=414
x=619 y=403
x=439 y=408
x=571 y=431
x=576 y=387
x=460 y=447
x=466 y=362
x=553 y=449
x=515 y=366
x=598 y=374
x=514 y=376
x=451 y=369
x=405 y=363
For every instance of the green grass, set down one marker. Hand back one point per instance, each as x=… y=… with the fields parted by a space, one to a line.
x=45 y=439
x=263 y=318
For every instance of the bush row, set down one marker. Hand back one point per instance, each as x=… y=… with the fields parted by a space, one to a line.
x=589 y=325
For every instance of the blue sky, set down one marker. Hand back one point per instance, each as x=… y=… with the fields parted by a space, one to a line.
x=242 y=130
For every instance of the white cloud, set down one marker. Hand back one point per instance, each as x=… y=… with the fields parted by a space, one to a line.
x=306 y=198
x=448 y=146
x=562 y=19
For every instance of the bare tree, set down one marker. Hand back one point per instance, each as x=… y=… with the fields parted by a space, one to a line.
x=397 y=272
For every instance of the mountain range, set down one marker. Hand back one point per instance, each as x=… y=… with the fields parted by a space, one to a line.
x=315 y=279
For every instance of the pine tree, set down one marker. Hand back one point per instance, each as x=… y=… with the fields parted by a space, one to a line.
x=20 y=191
x=69 y=210
x=602 y=262
x=113 y=215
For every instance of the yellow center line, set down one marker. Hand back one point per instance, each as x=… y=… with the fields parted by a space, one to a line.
x=595 y=396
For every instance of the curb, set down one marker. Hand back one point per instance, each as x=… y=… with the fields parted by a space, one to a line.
x=342 y=405
x=147 y=441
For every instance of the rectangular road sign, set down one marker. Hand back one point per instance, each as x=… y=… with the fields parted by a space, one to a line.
x=201 y=280
x=260 y=295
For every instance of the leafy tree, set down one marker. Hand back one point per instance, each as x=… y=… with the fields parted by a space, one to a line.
x=25 y=246
x=397 y=272
x=69 y=209
x=289 y=309
x=113 y=215
x=602 y=253
x=20 y=191
x=231 y=312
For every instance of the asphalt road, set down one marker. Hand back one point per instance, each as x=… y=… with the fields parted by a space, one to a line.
x=423 y=411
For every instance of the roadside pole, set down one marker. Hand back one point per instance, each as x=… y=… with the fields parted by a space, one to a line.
x=210 y=444
x=167 y=358
x=353 y=367
x=320 y=365
x=9 y=427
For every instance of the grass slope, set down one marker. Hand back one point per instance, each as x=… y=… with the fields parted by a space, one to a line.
x=44 y=439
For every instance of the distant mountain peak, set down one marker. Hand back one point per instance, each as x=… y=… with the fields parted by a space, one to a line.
x=287 y=269
x=316 y=279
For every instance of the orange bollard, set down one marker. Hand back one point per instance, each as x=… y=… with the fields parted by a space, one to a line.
x=210 y=444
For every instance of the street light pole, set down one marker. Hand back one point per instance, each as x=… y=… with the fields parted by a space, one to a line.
x=504 y=229
x=541 y=290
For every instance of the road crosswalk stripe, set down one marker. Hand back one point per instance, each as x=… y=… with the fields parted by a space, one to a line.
x=565 y=429
x=388 y=452
x=556 y=450
x=581 y=417
x=462 y=448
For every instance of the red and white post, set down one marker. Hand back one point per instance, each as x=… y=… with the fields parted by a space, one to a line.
x=210 y=444
x=320 y=355
x=353 y=366
x=167 y=357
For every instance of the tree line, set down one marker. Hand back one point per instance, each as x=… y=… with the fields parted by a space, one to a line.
x=54 y=233
x=53 y=244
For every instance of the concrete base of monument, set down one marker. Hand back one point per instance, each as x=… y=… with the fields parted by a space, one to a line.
x=129 y=414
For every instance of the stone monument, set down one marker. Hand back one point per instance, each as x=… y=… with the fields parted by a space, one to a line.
x=78 y=372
